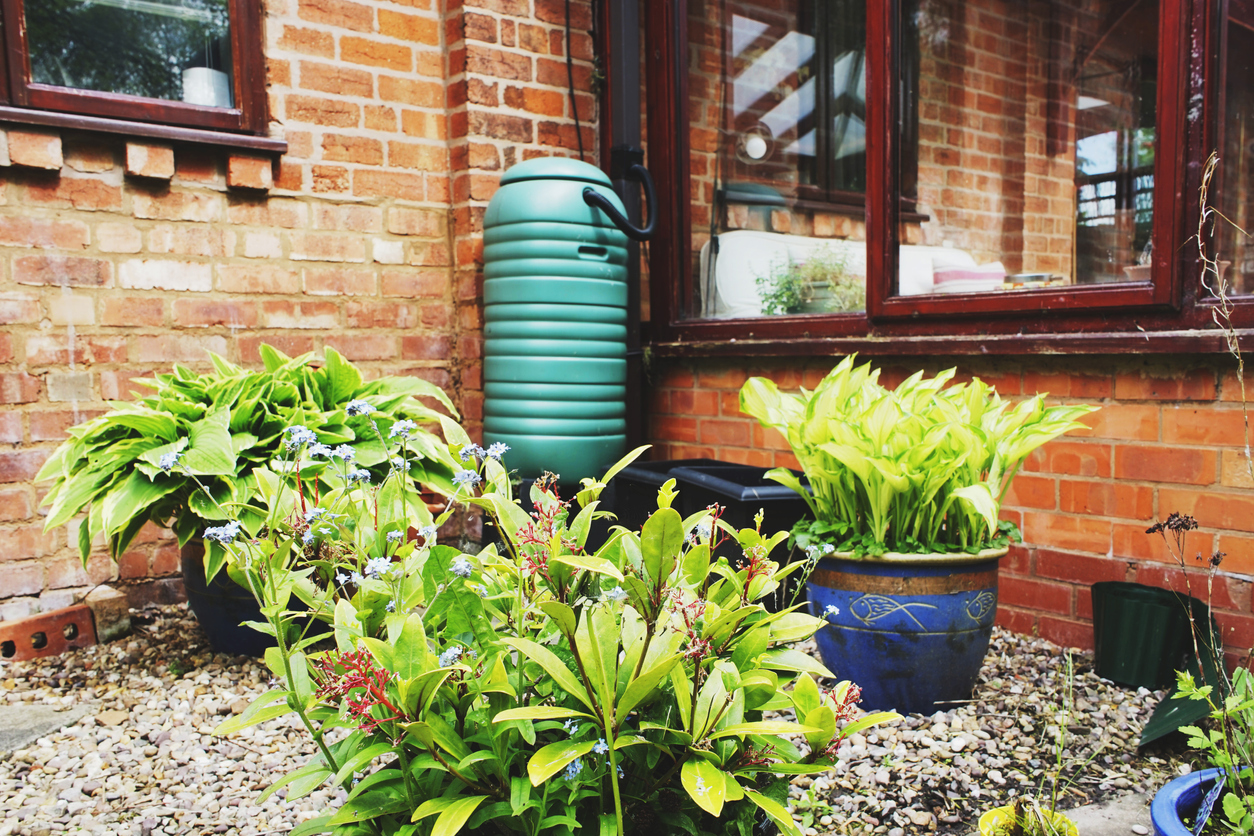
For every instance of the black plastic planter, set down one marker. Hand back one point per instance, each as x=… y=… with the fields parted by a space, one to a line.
x=1142 y=633
x=221 y=606
x=636 y=486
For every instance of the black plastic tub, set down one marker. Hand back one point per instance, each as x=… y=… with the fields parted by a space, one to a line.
x=636 y=486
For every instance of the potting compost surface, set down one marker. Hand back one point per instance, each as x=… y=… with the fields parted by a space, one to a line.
x=143 y=759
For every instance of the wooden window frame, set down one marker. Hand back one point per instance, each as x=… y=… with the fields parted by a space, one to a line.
x=248 y=116
x=1167 y=315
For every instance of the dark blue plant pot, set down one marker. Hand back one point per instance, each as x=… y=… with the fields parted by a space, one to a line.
x=912 y=630
x=221 y=606
x=1178 y=800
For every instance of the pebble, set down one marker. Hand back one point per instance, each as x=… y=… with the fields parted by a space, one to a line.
x=1140 y=830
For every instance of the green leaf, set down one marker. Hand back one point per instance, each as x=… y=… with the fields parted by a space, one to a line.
x=868 y=720
x=539 y=712
x=410 y=656
x=453 y=812
x=554 y=666
x=660 y=541
x=705 y=783
x=554 y=757
x=592 y=564
x=785 y=659
x=360 y=761
x=778 y=813
x=343 y=379
x=642 y=686
x=255 y=713
x=209 y=452
x=133 y=498
x=805 y=695
x=321 y=824
x=764 y=727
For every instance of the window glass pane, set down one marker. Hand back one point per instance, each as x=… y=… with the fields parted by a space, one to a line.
x=1035 y=143
x=778 y=138
x=179 y=50
x=1235 y=143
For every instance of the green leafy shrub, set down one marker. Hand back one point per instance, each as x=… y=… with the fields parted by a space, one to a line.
x=535 y=687
x=922 y=468
x=823 y=284
x=219 y=427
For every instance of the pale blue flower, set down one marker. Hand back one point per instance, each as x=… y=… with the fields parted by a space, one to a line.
x=428 y=532
x=391 y=606
x=831 y=610
x=402 y=428
x=344 y=452
x=314 y=514
x=298 y=435
x=394 y=536
x=169 y=461
x=450 y=656
x=600 y=747
x=616 y=594
x=358 y=475
x=620 y=772
x=356 y=578
x=462 y=568
x=319 y=451
x=471 y=451
x=466 y=477
x=308 y=537
x=497 y=449
x=378 y=566
x=224 y=533
x=399 y=464
x=359 y=408
x=571 y=726
x=342 y=578
x=573 y=769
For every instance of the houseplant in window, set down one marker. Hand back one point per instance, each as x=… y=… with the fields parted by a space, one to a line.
x=535 y=688
x=821 y=284
x=183 y=458
x=903 y=543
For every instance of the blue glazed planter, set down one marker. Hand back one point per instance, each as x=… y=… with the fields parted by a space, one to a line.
x=1178 y=799
x=912 y=630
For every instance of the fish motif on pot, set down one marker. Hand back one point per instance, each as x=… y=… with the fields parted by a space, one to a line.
x=981 y=605
x=871 y=608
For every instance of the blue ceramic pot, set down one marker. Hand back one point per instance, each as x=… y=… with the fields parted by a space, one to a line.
x=911 y=630
x=1178 y=799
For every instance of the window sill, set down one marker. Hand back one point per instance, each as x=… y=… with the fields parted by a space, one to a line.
x=1109 y=342
x=169 y=133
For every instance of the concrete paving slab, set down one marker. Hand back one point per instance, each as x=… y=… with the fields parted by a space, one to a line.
x=22 y=724
x=1115 y=817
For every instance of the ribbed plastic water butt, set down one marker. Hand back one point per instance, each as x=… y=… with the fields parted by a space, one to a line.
x=555 y=322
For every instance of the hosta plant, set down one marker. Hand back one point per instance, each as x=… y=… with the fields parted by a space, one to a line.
x=185 y=455
x=534 y=687
x=919 y=469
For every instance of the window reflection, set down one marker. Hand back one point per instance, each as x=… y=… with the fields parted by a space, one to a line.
x=177 y=50
x=1235 y=143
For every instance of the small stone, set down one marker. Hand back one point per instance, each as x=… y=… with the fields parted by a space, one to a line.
x=1140 y=830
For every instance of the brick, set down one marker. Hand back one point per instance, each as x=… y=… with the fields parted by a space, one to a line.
x=330 y=178
x=1165 y=464
x=347 y=217
x=319 y=111
x=1070 y=533
x=354 y=149
x=191 y=239
x=178 y=206
x=18 y=308
x=727 y=378
x=280 y=212
x=70 y=386
x=35 y=149
x=331 y=78
x=16 y=504
x=290 y=344
x=132 y=311
x=426 y=347
x=1106 y=499
x=48 y=349
x=375 y=53
x=339 y=14
x=246 y=171
x=171 y=348
x=502 y=126
x=357 y=347
x=1080 y=568
x=1066 y=632
x=539 y=102
x=307 y=41
x=10 y=428
x=1188 y=425
x=66 y=309
x=209 y=312
x=67 y=271
x=284 y=314
x=418 y=155
x=21 y=465
x=1071 y=458
x=1234 y=470
x=694 y=402
x=118 y=238
x=199 y=165
x=388 y=252
x=89 y=158
x=414 y=283
x=1191 y=385
x=369 y=183
x=411 y=91
x=150 y=159
x=257 y=278
x=119 y=385
x=86 y=194
x=311 y=247
x=1038 y=595
x=674 y=428
x=162 y=274
x=407 y=27
x=19 y=387
x=380 y=315
x=340 y=282
x=724 y=433
x=423 y=223
x=1133 y=422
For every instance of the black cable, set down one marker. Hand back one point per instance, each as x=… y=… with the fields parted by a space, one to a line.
x=570 y=83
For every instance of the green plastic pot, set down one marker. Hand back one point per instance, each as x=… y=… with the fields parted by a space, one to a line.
x=1141 y=633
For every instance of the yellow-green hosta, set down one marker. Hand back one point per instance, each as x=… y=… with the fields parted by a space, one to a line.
x=921 y=468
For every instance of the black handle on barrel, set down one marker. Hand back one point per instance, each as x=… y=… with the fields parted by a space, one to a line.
x=594 y=198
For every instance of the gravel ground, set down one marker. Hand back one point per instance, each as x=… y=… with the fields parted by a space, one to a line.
x=145 y=762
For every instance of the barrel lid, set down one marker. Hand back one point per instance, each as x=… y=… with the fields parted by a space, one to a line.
x=555 y=168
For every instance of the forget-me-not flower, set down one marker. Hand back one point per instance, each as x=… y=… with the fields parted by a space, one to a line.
x=223 y=533
x=394 y=536
x=450 y=656
x=497 y=449
x=616 y=594
x=470 y=451
x=343 y=451
x=573 y=769
x=462 y=568
x=402 y=428
x=466 y=477
x=358 y=475
x=600 y=747
x=298 y=435
x=377 y=566
x=400 y=464
x=168 y=461
x=428 y=532
x=359 y=407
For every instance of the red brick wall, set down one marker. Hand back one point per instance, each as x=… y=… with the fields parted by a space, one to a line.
x=120 y=258
x=1168 y=437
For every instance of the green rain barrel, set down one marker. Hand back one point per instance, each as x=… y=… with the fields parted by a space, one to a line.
x=555 y=322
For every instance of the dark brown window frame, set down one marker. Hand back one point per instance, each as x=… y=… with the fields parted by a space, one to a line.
x=168 y=119
x=1167 y=315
